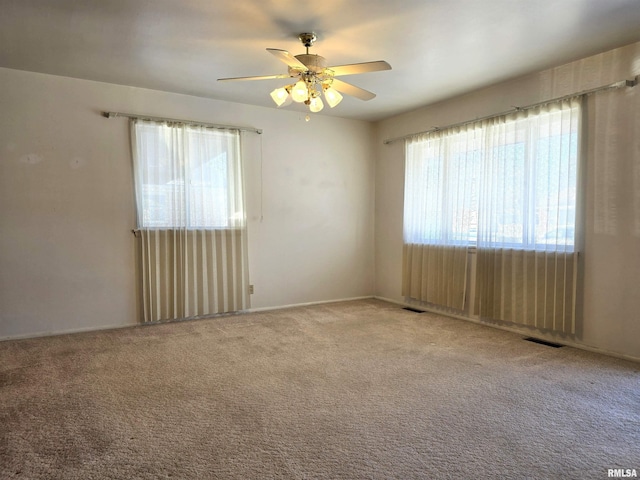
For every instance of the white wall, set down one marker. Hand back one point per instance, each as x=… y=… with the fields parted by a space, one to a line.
x=67 y=255
x=612 y=238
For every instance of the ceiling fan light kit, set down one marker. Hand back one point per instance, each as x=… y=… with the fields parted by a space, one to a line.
x=315 y=79
x=281 y=96
x=332 y=95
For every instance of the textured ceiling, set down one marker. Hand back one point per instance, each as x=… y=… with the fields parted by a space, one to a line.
x=437 y=48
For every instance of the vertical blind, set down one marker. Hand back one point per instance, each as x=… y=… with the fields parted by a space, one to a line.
x=191 y=216
x=507 y=185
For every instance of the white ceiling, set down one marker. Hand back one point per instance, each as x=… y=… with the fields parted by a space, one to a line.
x=437 y=48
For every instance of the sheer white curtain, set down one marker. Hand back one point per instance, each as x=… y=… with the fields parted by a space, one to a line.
x=440 y=214
x=527 y=260
x=191 y=217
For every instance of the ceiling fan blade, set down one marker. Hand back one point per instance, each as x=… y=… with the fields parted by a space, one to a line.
x=360 y=68
x=263 y=77
x=287 y=58
x=352 y=90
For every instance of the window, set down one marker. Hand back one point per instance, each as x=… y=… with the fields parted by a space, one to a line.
x=441 y=182
x=187 y=177
x=509 y=182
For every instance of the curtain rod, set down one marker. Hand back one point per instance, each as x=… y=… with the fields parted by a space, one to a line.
x=186 y=122
x=611 y=86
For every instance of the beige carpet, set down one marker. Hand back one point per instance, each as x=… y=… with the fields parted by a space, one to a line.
x=349 y=390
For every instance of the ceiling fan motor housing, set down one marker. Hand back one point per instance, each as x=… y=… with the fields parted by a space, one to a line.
x=314 y=63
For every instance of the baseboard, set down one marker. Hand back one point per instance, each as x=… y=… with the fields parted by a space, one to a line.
x=307 y=304
x=65 y=332
x=477 y=321
x=112 y=327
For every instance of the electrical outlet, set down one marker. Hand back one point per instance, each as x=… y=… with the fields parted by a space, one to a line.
x=250 y=289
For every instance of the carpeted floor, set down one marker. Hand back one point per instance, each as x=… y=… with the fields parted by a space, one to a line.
x=349 y=390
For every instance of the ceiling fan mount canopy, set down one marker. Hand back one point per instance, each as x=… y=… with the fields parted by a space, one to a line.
x=307 y=39
x=314 y=78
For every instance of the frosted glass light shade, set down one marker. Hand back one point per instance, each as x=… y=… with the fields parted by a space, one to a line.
x=332 y=96
x=316 y=104
x=280 y=96
x=299 y=93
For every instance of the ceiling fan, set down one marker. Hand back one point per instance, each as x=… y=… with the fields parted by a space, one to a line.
x=315 y=78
